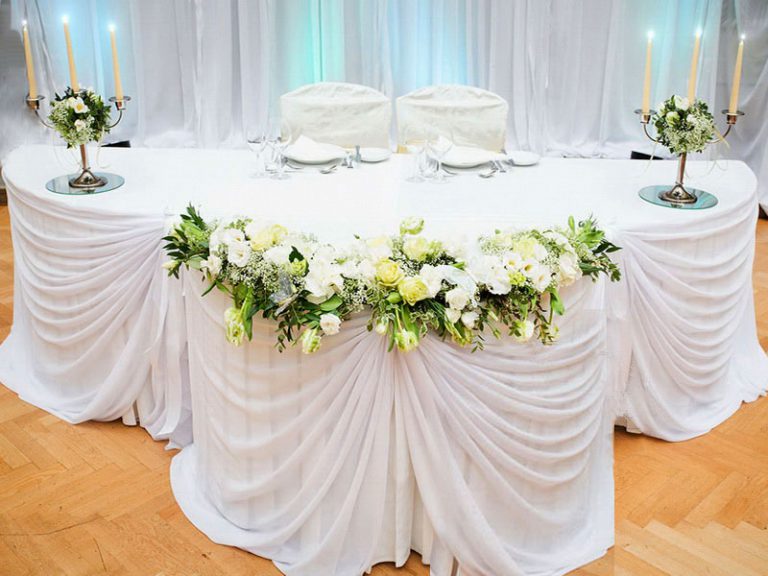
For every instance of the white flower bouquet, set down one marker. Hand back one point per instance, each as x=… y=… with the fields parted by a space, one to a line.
x=684 y=126
x=79 y=117
x=414 y=285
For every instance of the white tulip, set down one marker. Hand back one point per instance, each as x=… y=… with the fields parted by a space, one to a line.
x=469 y=319
x=330 y=324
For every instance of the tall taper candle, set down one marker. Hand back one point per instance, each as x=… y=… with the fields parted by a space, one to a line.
x=694 y=68
x=70 y=55
x=734 y=104
x=116 y=64
x=647 y=83
x=30 y=63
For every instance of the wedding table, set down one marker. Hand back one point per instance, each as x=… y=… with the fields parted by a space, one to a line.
x=332 y=462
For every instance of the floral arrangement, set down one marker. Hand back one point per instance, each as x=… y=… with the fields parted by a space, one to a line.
x=684 y=126
x=79 y=117
x=413 y=285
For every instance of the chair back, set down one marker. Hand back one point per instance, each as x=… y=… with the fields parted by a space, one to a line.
x=338 y=113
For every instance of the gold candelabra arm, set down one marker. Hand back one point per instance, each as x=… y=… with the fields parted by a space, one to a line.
x=730 y=119
x=120 y=106
x=645 y=119
x=34 y=105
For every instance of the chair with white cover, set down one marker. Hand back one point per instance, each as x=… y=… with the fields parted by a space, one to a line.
x=467 y=115
x=338 y=113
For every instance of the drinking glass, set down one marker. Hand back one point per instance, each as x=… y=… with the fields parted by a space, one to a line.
x=439 y=145
x=280 y=141
x=257 y=143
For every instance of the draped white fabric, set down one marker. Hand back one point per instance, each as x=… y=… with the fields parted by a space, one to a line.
x=97 y=326
x=465 y=115
x=347 y=115
x=205 y=73
x=316 y=462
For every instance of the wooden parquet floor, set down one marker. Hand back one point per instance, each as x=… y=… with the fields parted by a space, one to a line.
x=95 y=498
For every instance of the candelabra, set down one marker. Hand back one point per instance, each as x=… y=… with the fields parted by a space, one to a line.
x=86 y=181
x=678 y=196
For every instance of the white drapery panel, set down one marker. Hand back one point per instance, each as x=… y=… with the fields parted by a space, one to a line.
x=96 y=325
x=694 y=355
x=204 y=73
x=322 y=463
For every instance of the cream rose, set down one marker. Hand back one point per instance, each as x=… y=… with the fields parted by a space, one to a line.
x=389 y=273
x=413 y=290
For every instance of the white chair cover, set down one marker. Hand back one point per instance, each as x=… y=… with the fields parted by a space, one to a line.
x=468 y=115
x=338 y=113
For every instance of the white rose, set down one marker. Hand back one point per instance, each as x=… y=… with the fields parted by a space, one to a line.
x=525 y=328
x=433 y=278
x=330 y=324
x=416 y=248
x=230 y=235
x=212 y=265
x=239 y=253
x=682 y=103
x=539 y=252
x=490 y=270
x=514 y=260
x=456 y=247
x=379 y=248
x=452 y=315
x=366 y=271
x=556 y=237
x=540 y=276
x=457 y=298
x=322 y=280
x=80 y=125
x=569 y=270
x=71 y=101
x=278 y=255
x=216 y=240
x=469 y=319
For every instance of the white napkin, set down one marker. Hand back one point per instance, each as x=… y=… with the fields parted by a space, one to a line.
x=308 y=151
x=468 y=156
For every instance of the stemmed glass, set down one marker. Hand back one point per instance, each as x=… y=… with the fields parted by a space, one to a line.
x=439 y=145
x=416 y=146
x=257 y=143
x=280 y=141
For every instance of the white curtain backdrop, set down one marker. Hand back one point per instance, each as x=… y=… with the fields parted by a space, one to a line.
x=205 y=73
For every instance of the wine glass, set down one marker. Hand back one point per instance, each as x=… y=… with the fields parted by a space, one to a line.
x=280 y=141
x=439 y=144
x=257 y=142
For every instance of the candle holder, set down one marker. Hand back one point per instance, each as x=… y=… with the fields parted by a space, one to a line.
x=678 y=195
x=86 y=181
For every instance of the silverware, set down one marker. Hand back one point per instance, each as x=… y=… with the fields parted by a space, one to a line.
x=329 y=169
x=500 y=166
x=489 y=173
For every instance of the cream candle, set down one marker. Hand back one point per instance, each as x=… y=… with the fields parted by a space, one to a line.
x=647 y=83
x=30 y=64
x=694 y=68
x=70 y=55
x=116 y=64
x=733 y=106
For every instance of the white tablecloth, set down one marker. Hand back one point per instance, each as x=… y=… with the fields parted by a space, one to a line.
x=97 y=326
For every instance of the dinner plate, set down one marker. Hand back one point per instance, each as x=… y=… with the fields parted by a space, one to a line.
x=307 y=151
x=467 y=157
x=523 y=158
x=374 y=154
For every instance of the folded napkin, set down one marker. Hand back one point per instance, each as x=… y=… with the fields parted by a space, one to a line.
x=467 y=156
x=308 y=151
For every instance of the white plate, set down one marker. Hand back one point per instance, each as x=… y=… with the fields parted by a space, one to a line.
x=307 y=151
x=374 y=154
x=466 y=157
x=523 y=158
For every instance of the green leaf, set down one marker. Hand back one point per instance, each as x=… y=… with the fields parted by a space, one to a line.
x=331 y=304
